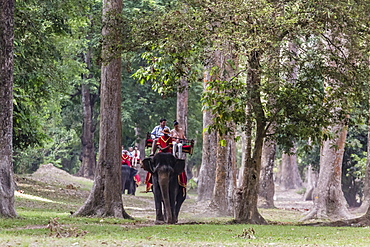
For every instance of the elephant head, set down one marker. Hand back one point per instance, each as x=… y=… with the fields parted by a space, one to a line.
x=164 y=160
x=165 y=169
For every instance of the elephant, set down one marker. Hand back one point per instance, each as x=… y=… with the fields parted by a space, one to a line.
x=165 y=169
x=127 y=179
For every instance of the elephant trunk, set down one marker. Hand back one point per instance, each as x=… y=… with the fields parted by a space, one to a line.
x=164 y=182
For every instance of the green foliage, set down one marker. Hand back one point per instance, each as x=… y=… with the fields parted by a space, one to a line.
x=47 y=44
x=61 y=148
x=141 y=106
x=297 y=56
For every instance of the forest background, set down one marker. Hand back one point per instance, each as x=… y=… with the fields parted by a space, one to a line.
x=302 y=65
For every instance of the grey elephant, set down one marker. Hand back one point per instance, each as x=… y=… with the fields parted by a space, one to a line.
x=165 y=170
x=127 y=178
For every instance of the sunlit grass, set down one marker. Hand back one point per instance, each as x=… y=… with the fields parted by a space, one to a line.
x=42 y=203
x=30 y=228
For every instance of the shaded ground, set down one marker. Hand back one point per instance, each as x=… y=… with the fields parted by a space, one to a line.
x=52 y=188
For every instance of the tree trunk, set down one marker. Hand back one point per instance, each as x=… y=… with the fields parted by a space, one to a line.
x=88 y=157
x=289 y=176
x=266 y=186
x=182 y=104
x=206 y=179
x=241 y=169
x=105 y=198
x=7 y=208
x=329 y=201
x=246 y=197
x=219 y=201
x=225 y=182
x=141 y=146
x=312 y=177
x=366 y=202
x=231 y=174
x=182 y=114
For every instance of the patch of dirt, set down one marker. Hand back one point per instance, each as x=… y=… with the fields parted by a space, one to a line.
x=50 y=174
x=291 y=199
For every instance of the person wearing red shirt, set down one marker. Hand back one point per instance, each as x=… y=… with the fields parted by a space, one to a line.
x=164 y=142
x=126 y=158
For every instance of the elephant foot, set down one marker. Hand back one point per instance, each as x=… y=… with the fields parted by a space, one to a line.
x=159 y=222
x=172 y=222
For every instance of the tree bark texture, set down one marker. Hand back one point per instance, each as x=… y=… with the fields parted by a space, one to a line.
x=225 y=181
x=182 y=114
x=88 y=156
x=231 y=174
x=182 y=104
x=141 y=146
x=226 y=161
x=219 y=191
x=366 y=202
x=105 y=198
x=329 y=201
x=311 y=183
x=7 y=187
x=289 y=176
x=241 y=169
x=266 y=186
x=206 y=178
x=246 y=196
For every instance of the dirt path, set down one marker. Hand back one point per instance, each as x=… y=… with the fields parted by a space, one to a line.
x=290 y=199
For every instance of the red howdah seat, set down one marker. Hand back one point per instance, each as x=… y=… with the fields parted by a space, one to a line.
x=148 y=140
x=186 y=148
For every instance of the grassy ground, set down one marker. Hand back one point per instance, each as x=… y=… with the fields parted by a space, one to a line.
x=45 y=207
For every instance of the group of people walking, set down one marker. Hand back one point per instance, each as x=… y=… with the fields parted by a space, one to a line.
x=167 y=140
x=131 y=158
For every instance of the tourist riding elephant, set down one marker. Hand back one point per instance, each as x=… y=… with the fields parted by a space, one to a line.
x=165 y=169
x=127 y=178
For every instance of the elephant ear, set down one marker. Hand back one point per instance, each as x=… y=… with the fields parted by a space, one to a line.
x=148 y=164
x=179 y=166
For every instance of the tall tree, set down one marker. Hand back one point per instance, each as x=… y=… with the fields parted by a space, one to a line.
x=247 y=193
x=289 y=174
x=366 y=202
x=207 y=173
x=225 y=63
x=7 y=208
x=105 y=199
x=266 y=187
x=329 y=201
x=182 y=112
x=88 y=154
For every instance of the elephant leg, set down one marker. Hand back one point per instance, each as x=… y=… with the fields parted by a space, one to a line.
x=124 y=175
x=157 y=200
x=128 y=186
x=173 y=191
x=180 y=198
x=132 y=186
